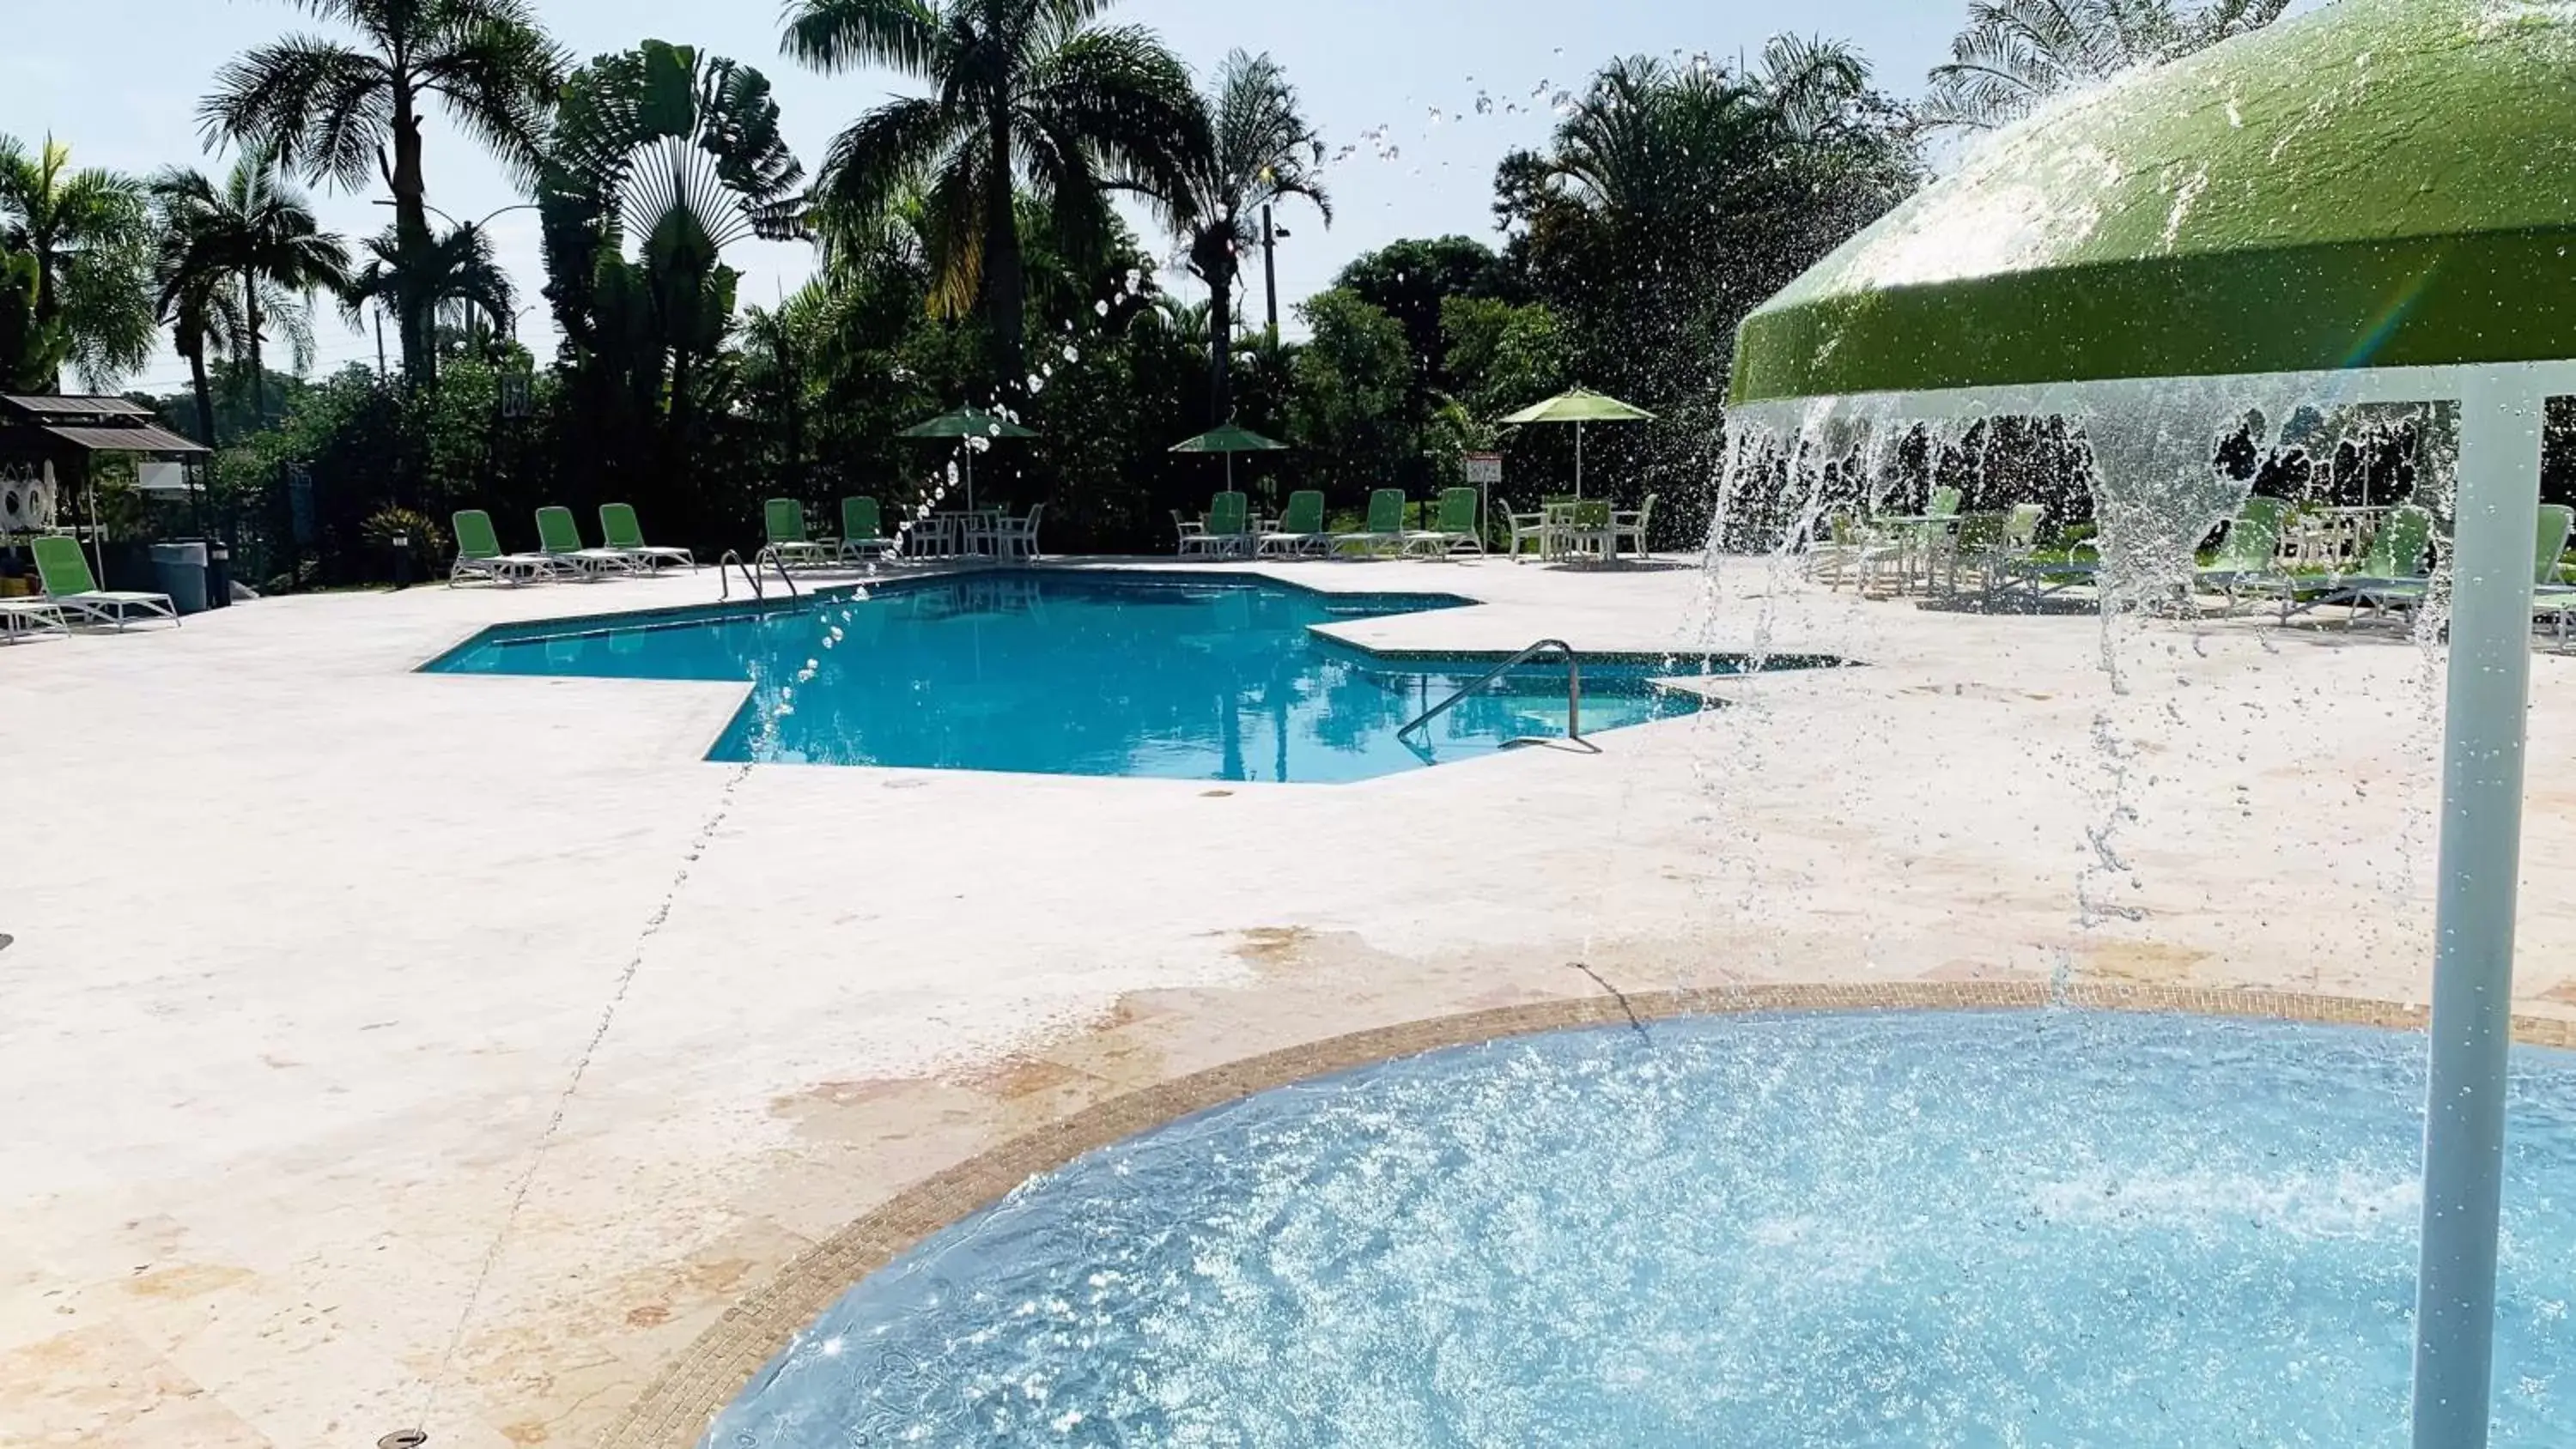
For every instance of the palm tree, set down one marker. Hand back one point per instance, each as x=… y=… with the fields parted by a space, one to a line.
x=89 y=235
x=1026 y=92
x=1261 y=152
x=350 y=113
x=200 y=300
x=2016 y=53
x=413 y=283
x=679 y=155
x=257 y=228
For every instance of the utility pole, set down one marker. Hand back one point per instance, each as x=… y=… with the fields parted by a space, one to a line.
x=1270 y=269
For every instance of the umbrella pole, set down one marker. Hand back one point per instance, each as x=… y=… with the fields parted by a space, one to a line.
x=1578 y=460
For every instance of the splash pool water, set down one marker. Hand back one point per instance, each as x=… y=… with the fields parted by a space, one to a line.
x=2009 y=1228
x=1173 y=676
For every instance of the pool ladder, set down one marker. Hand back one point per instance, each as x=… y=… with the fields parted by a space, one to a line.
x=1573 y=696
x=750 y=574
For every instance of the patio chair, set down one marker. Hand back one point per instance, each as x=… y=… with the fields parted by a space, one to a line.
x=1228 y=528
x=1851 y=545
x=619 y=530
x=559 y=538
x=862 y=530
x=1977 y=545
x=1588 y=531
x=20 y=618
x=1015 y=537
x=2249 y=554
x=1634 y=527
x=1187 y=528
x=783 y=519
x=1301 y=529
x=1453 y=530
x=64 y=572
x=1384 y=528
x=479 y=555
x=1527 y=528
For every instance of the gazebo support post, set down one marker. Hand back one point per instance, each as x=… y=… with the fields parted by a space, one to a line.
x=2482 y=773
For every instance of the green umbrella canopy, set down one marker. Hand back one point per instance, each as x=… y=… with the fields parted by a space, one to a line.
x=1581 y=405
x=1229 y=439
x=968 y=422
x=2378 y=183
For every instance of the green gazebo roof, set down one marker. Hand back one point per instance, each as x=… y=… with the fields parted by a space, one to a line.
x=2379 y=183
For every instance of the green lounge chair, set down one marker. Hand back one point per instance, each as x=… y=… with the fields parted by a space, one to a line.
x=619 y=530
x=2551 y=597
x=1228 y=527
x=22 y=617
x=1301 y=528
x=479 y=555
x=784 y=521
x=1453 y=530
x=559 y=538
x=64 y=572
x=2249 y=554
x=2392 y=572
x=1385 y=527
x=863 y=530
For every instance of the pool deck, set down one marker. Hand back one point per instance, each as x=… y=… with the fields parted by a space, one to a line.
x=307 y=946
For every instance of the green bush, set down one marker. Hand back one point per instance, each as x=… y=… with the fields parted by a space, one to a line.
x=424 y=539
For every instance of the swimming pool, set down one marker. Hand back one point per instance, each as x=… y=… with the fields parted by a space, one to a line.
x=1183 y=677
x=1975 y=1228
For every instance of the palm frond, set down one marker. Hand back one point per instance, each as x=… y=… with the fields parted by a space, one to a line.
x=1127 y=101
x=954 y=210
x=890 y=152
x=499 y=79
x=837 y=35
x=321 y=107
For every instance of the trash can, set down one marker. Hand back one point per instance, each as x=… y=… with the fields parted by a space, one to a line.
x=219 y=574
x=180 y=570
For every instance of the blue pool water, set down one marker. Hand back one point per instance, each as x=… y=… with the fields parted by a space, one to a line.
x=2045 y=1229
x=1080 y=674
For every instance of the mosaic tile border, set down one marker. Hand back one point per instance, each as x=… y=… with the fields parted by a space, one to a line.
x=674 y=1411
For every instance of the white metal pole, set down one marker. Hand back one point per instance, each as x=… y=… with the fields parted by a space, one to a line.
x=1578 y=459
x=2482 y=770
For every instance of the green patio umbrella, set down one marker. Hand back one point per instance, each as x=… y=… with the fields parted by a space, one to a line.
x=1230 y=439
x=1578 y=406
x=969 y=421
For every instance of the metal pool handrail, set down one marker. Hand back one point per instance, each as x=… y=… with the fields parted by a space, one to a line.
x=749 y=577
x=1573 y=693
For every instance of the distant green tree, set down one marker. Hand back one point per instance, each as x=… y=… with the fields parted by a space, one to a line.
x=1351 y=379
x=29 y=354
x=1025 y=93
x=1504 y=357
x=2016 y=53
x=88 y=235
x=1411 y=280
x=352 y=114
x=1669 y=203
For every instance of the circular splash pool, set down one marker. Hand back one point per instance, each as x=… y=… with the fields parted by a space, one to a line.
x=2006 y=1228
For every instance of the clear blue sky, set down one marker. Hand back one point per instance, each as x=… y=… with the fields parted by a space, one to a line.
x=120 y=80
